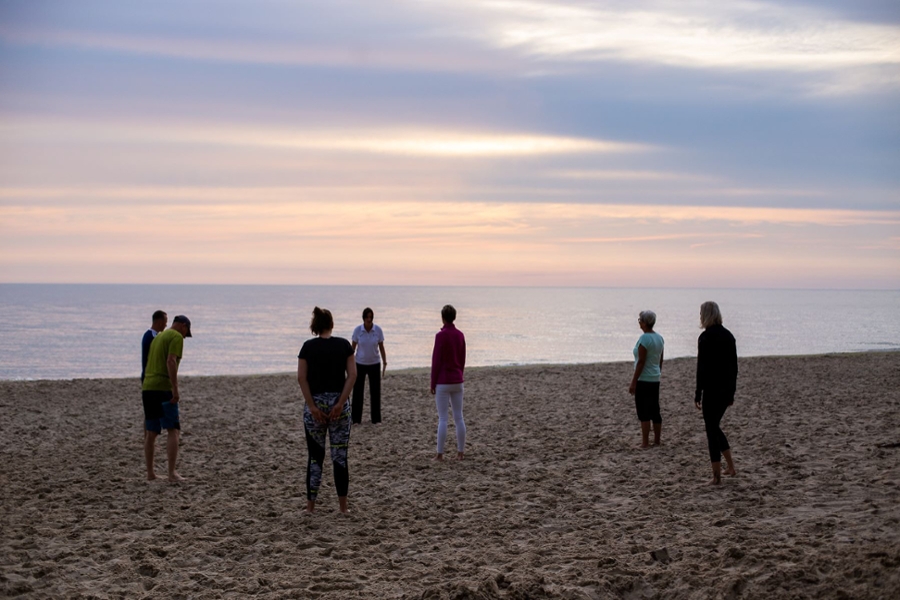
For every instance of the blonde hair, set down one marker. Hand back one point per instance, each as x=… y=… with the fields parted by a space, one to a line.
x=710 y=314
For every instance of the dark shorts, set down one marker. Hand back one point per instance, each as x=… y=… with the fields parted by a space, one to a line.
x=646 y=401
x=159 y=412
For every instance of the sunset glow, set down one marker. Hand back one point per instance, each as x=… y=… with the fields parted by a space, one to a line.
x=500 y=142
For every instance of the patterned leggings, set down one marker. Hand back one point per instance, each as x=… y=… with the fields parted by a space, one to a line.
x=339 y=435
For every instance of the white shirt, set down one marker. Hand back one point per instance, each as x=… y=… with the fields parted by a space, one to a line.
x=367 y=344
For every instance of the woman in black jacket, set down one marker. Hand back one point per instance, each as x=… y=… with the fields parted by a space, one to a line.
x=716 y=383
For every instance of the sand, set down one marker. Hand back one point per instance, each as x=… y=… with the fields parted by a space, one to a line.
x=554 y=499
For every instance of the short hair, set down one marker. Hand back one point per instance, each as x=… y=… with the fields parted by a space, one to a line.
x=648 y=318
x=710 y=314
x=368 y=311
x=321 y=322
x=160 y=314
x=448 y=314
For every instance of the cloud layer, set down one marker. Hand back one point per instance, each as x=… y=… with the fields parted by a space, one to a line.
x=514 y=142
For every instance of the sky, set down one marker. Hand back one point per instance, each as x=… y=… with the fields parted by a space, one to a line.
x=632 y=143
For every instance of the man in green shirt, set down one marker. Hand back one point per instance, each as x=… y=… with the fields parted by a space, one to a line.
x=160 y=393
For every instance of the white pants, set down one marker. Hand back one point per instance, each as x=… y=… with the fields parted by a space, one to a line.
x=450 y=395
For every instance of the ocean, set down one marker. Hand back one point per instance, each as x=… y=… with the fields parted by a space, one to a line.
x=93 y=331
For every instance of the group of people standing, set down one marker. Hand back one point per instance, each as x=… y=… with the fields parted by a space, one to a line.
x=331 y=368
x=717 y=371
x=161 y=351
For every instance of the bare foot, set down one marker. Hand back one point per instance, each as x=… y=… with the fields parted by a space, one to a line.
x=174 y=476
x=459 y=456
x=439 y=457
x=730 y=472
x=310 y=506
x=716 y=480
x=151 y=476
x=643 y=446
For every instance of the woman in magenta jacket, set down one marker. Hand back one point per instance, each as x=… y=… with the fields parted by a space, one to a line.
x=448 y=361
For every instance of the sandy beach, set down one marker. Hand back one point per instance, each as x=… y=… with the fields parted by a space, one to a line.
x=555 y=500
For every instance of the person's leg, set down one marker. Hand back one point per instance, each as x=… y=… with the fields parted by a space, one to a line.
x=339 y=436
x=172 y=438
x=724 y=447
x=149 y=447
x=171 y=422
x=729 y=463
x=456 y=403
x=315 y=447
x=712 y=415
x=641 y=405
x=359 y=389
x=442 y=401
x=375 y=392
x=655 y=416
x=153 y=413
x=645 y=434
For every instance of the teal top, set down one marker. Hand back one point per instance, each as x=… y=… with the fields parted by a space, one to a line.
x=653 y=343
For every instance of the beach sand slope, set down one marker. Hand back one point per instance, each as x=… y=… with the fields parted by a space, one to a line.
x=554 y=500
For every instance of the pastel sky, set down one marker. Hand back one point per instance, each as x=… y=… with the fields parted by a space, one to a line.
x=650 y=143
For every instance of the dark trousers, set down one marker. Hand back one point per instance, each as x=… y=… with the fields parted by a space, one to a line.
x=713 y=410
x=646 y=401
x=374 y=374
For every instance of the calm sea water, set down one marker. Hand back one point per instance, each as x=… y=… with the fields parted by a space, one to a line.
x=86 y=331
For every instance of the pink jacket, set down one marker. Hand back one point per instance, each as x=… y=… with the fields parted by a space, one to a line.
x=448 y=361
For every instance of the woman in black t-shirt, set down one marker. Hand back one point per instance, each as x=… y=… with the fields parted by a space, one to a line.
x=326 y=371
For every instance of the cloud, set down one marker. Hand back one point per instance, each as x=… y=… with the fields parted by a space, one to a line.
x=261 y=51
x=517 y=37
x=399 y=140
x=736 y=35
x=633 y=175
x=338 y=202
x=287 y=237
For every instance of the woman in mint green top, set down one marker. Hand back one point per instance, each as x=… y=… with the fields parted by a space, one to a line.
x=648 y=361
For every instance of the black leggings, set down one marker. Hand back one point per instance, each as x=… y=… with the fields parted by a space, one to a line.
x=374 y=373
x=713 y=410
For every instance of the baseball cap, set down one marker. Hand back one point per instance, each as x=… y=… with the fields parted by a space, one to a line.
x=186 y=321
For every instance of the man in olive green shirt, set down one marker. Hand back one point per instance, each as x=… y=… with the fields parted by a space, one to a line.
x=160 y=396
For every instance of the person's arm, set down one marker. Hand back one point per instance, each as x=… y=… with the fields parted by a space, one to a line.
x=701 y=374
x=462 y=360
x=638 y=369
x=435 y=361
x=145 y=352
x=302 y=371
x=354 y=339
x=383 y=358
x=172 y=368
x=734 y=370
x=661 y=353
x=144 y=349
x=348 y=387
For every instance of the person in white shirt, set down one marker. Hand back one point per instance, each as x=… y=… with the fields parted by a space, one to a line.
x=368 y=343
